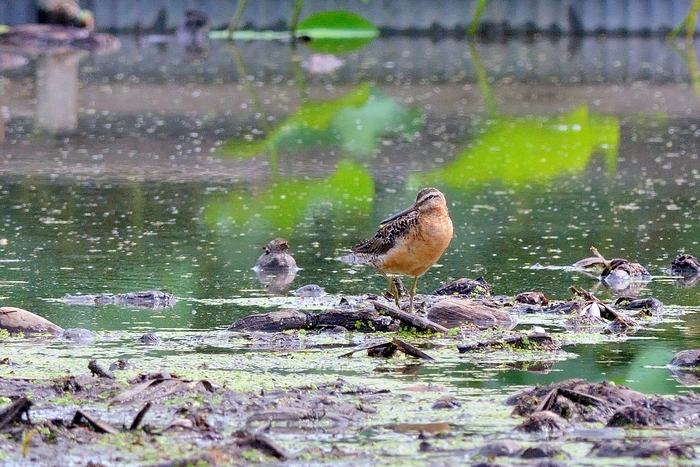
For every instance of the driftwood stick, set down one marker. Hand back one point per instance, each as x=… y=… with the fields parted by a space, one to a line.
x=13 y=412
x=97 y=425
x=411 y=350
x=418 y=322
x=139 y=417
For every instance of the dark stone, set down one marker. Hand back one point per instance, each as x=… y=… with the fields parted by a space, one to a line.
x=150 y=339
x=685 y=265
x=686 y=359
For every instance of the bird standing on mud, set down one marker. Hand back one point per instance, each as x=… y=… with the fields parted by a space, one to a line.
x=410 y=242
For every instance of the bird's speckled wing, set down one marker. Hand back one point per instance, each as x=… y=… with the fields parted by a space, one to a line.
x=387 y=235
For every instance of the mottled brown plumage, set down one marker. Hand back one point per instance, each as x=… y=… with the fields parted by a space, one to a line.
x=411 y=241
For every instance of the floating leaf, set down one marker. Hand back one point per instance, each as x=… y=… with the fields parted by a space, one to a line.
x=336 y=31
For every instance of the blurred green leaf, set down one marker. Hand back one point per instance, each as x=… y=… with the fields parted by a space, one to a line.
x=287 y=202
x=355 y=122
x=518 y=150
x=309 y=118
x=336 y=31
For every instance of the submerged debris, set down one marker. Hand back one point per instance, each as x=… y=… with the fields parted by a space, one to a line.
x=154 y=299
x=532 y=298
x=643 y=449
x=587 y=309
x=517 y=341
x=616 y=273
x=580 y=401
x=471 y=288
x=388 y=349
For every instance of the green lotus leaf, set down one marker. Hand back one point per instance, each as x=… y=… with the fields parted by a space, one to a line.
x=336 y=31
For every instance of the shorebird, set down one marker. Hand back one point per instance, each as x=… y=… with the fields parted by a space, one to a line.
x=410 y=242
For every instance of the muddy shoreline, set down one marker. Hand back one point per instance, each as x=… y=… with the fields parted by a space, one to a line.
x=310 y=397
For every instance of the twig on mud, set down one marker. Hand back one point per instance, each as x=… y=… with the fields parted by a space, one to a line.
x=387 y=349
x=420 y=323
x=98 y=370
x=97 y=425
x=14 y=411
x=139 y=417
x=261 y=443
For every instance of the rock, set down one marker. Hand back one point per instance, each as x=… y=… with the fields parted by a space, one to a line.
x=517 y=341
x=310 y=291
x=685 y=265
x=685 y=367
x=149 y=338
x=454 y=312
x=542 y=451
x=274 y=321
x=79 y=336
x=276 y=257
x=543 y=422
x=16 y=320
x=446 y=402
x=686 y=359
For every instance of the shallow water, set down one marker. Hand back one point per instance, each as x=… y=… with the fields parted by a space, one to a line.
x=171 y=172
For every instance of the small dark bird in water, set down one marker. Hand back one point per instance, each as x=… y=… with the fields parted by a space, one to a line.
x=276 y=257
x=410 y=242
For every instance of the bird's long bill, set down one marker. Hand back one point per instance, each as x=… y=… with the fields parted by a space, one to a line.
x=398 y=214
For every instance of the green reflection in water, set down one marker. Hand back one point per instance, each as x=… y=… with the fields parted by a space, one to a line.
x=353 y=122
x=516 y=150
x=288 y=201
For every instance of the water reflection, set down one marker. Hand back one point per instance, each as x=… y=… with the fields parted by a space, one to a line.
x=57 y=91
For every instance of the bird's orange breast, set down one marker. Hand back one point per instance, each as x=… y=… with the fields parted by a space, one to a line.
x=421 y=247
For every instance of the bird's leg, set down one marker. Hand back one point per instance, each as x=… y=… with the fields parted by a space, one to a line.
x=412 y=294
x=393 y=290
